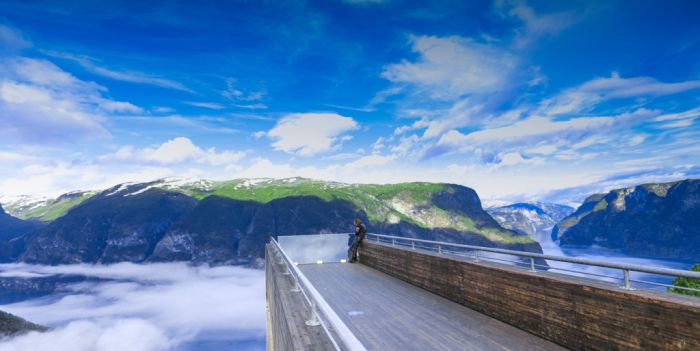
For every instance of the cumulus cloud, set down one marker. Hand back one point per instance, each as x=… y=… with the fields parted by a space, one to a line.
x=143 y=307
x=307 y=134
x=173 y=151
x=41 y=103
x=450 y=67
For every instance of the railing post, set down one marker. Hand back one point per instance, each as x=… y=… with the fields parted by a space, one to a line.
x=413 y=244
x=296 y=287
x=439 y=249
x=628 y=285
x=532 y=265
x=476 y=255
x=314 y=316
x=393 y=242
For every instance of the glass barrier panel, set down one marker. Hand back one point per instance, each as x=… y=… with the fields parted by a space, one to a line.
x=324 y=248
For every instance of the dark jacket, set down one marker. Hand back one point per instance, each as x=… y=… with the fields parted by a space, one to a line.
x=360 y=230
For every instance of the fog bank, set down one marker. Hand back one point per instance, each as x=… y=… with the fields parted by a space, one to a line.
x=153 y=307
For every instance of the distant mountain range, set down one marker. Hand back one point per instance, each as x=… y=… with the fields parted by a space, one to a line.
x=533 y=219
x=660 y=220
x=230 y=221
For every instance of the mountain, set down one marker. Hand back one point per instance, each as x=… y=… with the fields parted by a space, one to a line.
x=230 y=221
x=11 y=324
x=11 y=232
x=533 y=219
x=660 y=220
x=44 y=209
x=11 y=227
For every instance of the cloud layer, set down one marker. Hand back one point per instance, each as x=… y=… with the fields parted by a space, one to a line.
x=143 y=307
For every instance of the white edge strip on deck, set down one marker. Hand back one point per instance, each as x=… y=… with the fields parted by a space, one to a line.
x=348 y=338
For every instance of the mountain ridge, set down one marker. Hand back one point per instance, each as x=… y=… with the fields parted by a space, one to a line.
x=657 y=220
x=231 y=221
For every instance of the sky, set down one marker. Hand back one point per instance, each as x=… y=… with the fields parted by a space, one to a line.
x=520 y=100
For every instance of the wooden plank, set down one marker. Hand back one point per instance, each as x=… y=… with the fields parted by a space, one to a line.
x=386 y=313
x=574 y=312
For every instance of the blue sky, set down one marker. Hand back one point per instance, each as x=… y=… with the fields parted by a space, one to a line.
x=519 y=100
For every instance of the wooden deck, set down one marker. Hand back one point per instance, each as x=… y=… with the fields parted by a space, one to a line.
x=386 y=313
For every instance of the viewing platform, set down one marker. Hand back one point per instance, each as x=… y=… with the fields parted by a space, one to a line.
x=409 y=294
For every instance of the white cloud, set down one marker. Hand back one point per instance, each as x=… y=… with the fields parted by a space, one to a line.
x=368 y=165
x=637 y=139
x=462 y=113
x=454 y=66
x=252 y=106
x=369 y=162
x=49 y=108
x=9 y=156
x=120 y=106
x=678 y=120
x=545 y=149
x=233 y=93
x=88 y=63
x=406 y=145
x=307 y=134
x=515 y=158
x=584 y=97
x=576 y=133
x=12 y=40
x=535 y=25
x=617 y=87
x=343 y=156
x=47 y=177
x=150 y=307
x=209 y=105
x=177 y=150
x=163 y=109
x=41 y=104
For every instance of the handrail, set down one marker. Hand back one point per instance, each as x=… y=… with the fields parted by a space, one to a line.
x=626 y=268
x=346 y=336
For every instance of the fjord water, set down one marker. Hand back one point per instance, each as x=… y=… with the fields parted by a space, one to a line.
x=126 y=306
x=611 y=256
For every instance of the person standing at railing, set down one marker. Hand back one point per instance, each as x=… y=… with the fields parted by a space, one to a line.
x=360 y=231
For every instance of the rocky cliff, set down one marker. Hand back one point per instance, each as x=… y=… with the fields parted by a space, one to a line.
x=533 y=219
x=12 y=231
x=229 y=222
x=652 y=220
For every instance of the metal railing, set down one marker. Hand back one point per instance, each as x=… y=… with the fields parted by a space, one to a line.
x=476 y=253
x=321 y=313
